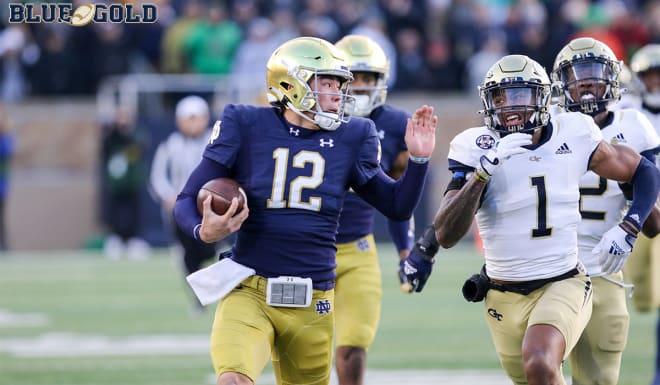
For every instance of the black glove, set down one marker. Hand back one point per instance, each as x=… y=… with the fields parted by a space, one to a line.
x=417 y=270
x=417 y=267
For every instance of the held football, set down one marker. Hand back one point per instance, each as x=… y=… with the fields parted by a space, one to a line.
x=223 y=191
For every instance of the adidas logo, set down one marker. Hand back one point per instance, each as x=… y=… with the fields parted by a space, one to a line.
x=619 y=138
x=563 y=149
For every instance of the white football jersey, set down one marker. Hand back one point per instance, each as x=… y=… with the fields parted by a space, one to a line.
x=602 y=204
x=529 y=215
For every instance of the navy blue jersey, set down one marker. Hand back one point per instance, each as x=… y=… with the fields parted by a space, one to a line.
x=295 y=180
x=357 y=217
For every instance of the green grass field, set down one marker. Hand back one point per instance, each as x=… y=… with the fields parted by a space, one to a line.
x=72 y=318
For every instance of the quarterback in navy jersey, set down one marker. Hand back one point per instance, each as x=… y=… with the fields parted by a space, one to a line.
x=358 y=290
x=295 y=161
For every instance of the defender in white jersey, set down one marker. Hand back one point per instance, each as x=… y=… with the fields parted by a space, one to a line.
x=586 y=72
x=643 y=268
x=520 y=175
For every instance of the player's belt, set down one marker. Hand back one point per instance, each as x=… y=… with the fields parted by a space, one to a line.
x=527 y=287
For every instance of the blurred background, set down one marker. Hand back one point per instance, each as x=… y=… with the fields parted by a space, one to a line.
x=83 y=109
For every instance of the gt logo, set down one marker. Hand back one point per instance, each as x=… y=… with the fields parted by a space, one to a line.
x=493 y=313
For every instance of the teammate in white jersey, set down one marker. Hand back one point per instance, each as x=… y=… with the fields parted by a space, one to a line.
x=587 y=73
x=520 y=175
x=643 y=268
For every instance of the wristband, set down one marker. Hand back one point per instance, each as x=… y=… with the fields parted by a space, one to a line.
x=196 y=231
x=420 y=159
x=482 y=177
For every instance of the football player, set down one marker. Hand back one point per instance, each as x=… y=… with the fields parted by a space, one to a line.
x=358 y=290
x=643 y=267
x=586 y=71
x=295 y=160
x=519 y=175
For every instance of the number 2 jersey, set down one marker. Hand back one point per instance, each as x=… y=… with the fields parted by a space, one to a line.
x=602 y=203
x=529 y=213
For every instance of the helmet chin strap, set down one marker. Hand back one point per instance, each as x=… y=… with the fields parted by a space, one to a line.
x=326 y=120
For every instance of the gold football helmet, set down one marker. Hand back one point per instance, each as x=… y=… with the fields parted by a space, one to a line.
x=294 y=65
x=365 y=55
x=516 y=95
x=586 y=73
x=644 y=63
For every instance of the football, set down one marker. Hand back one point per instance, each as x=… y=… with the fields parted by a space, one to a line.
x=223 y=191
x=83 y=15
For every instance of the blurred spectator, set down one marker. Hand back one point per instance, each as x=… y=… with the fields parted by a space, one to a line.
x=53 y=73
x=253 y=53
x=446 y=74
x=123 y=180
x=412 y=72
x=111 y=51
x=493 y=49
x=173 y=58
x=176 y=157
x=15 y=53
x=6 y=154
x=212 y=44
x=373 y=27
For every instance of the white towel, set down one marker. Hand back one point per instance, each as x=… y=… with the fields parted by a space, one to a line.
x=215 y=281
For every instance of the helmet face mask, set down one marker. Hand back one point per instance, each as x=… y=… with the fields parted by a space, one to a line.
x=512 y=107
x=367 y=60
x=586 y=73
x=645 y=64
x=292 y=69
x=516 y=96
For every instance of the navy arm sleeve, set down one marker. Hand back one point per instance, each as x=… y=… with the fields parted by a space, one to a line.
x=402 y=234
x=396 y=199
x=185 y=209
x=646 y=184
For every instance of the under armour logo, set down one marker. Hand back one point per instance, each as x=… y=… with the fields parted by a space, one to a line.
x=493 y=313
x=295 y=132
x=323 y=306
x=381 y=134
x=329 y=143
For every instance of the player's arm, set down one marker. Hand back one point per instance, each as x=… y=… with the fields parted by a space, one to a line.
x=210 y=227
x=400 y=231
x=463 y=196
x=398 y=199
x=651 y=226
x=458 y=207
x=623 y=164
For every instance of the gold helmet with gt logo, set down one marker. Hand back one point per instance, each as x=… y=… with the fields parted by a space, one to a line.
x=516 y=95
x=645 y=64
x=586 y=74
x=365 y=55
x=297 y=63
